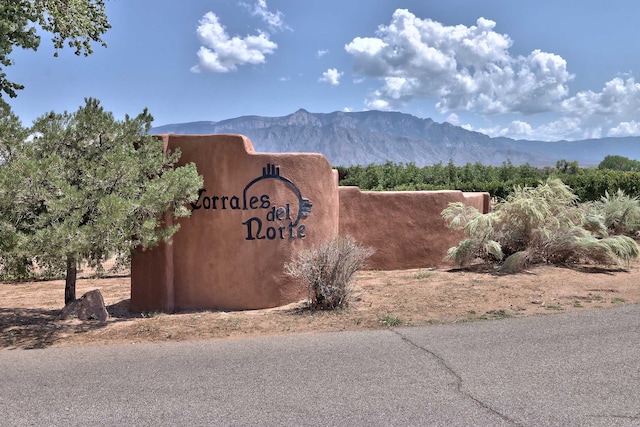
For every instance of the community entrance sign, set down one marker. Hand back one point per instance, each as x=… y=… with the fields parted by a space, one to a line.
x=257 y=210
x=252 y=215
x=270 y=221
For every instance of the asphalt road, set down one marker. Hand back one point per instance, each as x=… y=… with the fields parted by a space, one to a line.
x=576 y=369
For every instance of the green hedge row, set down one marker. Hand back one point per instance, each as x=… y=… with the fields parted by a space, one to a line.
x=587 y=183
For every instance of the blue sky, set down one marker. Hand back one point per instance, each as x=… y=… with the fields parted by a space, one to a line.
x=543 y=69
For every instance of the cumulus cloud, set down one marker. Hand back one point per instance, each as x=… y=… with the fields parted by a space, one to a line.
x=619 y=97
x=221 y=53
x=520 y=128
x=331 y=76
x=453 y=119
x=275 y=20
x=463 y=68
x=631 y=128
x=611 y=112
x=562 y=128
x=471 y=68
x=322 y=52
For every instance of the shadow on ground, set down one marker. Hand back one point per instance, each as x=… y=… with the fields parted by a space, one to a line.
x=33 y=328
x=487 y=268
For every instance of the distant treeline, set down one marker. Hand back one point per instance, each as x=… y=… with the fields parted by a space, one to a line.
x=613 y=173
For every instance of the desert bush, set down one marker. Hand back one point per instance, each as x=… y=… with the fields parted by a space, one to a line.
x=533 y=225
x=328 y=271
x=621 y=213
x=479 y=229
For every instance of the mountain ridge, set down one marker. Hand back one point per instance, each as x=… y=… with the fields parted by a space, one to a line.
x=351 y=138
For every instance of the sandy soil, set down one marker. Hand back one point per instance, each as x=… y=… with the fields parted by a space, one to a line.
x=29 y=311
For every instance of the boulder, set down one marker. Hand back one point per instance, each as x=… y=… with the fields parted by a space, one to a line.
x=88 y=307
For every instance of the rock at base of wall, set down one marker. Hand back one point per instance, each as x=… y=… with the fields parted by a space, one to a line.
x=88 y=307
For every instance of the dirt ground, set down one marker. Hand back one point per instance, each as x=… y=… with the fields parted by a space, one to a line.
x=29 y=311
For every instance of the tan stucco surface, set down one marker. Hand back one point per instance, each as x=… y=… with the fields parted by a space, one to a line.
x=404 y=227
x=213 y=261
x=230 y=253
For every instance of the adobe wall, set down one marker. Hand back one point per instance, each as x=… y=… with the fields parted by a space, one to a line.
x=404 y=227
x=256 y=210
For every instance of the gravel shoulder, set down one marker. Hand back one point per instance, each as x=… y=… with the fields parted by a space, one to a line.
x=29 y=311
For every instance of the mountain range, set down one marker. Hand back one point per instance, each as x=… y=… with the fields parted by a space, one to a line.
x=352 y=138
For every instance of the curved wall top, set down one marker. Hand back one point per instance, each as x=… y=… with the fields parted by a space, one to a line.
x=257 y=210
x=254 y=212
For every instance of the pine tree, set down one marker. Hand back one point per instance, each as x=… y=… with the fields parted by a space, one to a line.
x=88 y=188
x=75 y=23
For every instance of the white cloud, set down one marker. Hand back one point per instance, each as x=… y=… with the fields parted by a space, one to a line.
x=620 y=98
x=631 y=128
x=520 y=129
x=322 y=52
x=611 y=112
x=471 y=68
x=453 y=119
x=275 y=20
x=463 y=68
x=563 y=128
x=378 y=104
x=517 y=129
x=33 y=136
x=221 y=53
x=331 y=76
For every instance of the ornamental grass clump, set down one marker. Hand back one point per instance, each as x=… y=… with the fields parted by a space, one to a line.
x=534 y=225
x=328 y=271
x=621 y=213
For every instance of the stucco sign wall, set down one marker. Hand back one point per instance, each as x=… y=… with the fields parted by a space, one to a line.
x=269 y=221
x=253 y=213
x=257 y=210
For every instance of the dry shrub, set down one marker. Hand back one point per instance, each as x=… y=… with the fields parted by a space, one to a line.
x=621 y=213
x=328 y=270
x=543 y=224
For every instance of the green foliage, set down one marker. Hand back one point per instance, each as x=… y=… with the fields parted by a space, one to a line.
x=619 y=163
x=11 y=132
x=569 y=168
x=533 y=225
x=391 y=321
x=328 y=271
x=87 y=189
x=76 y=23
x=589 y=184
